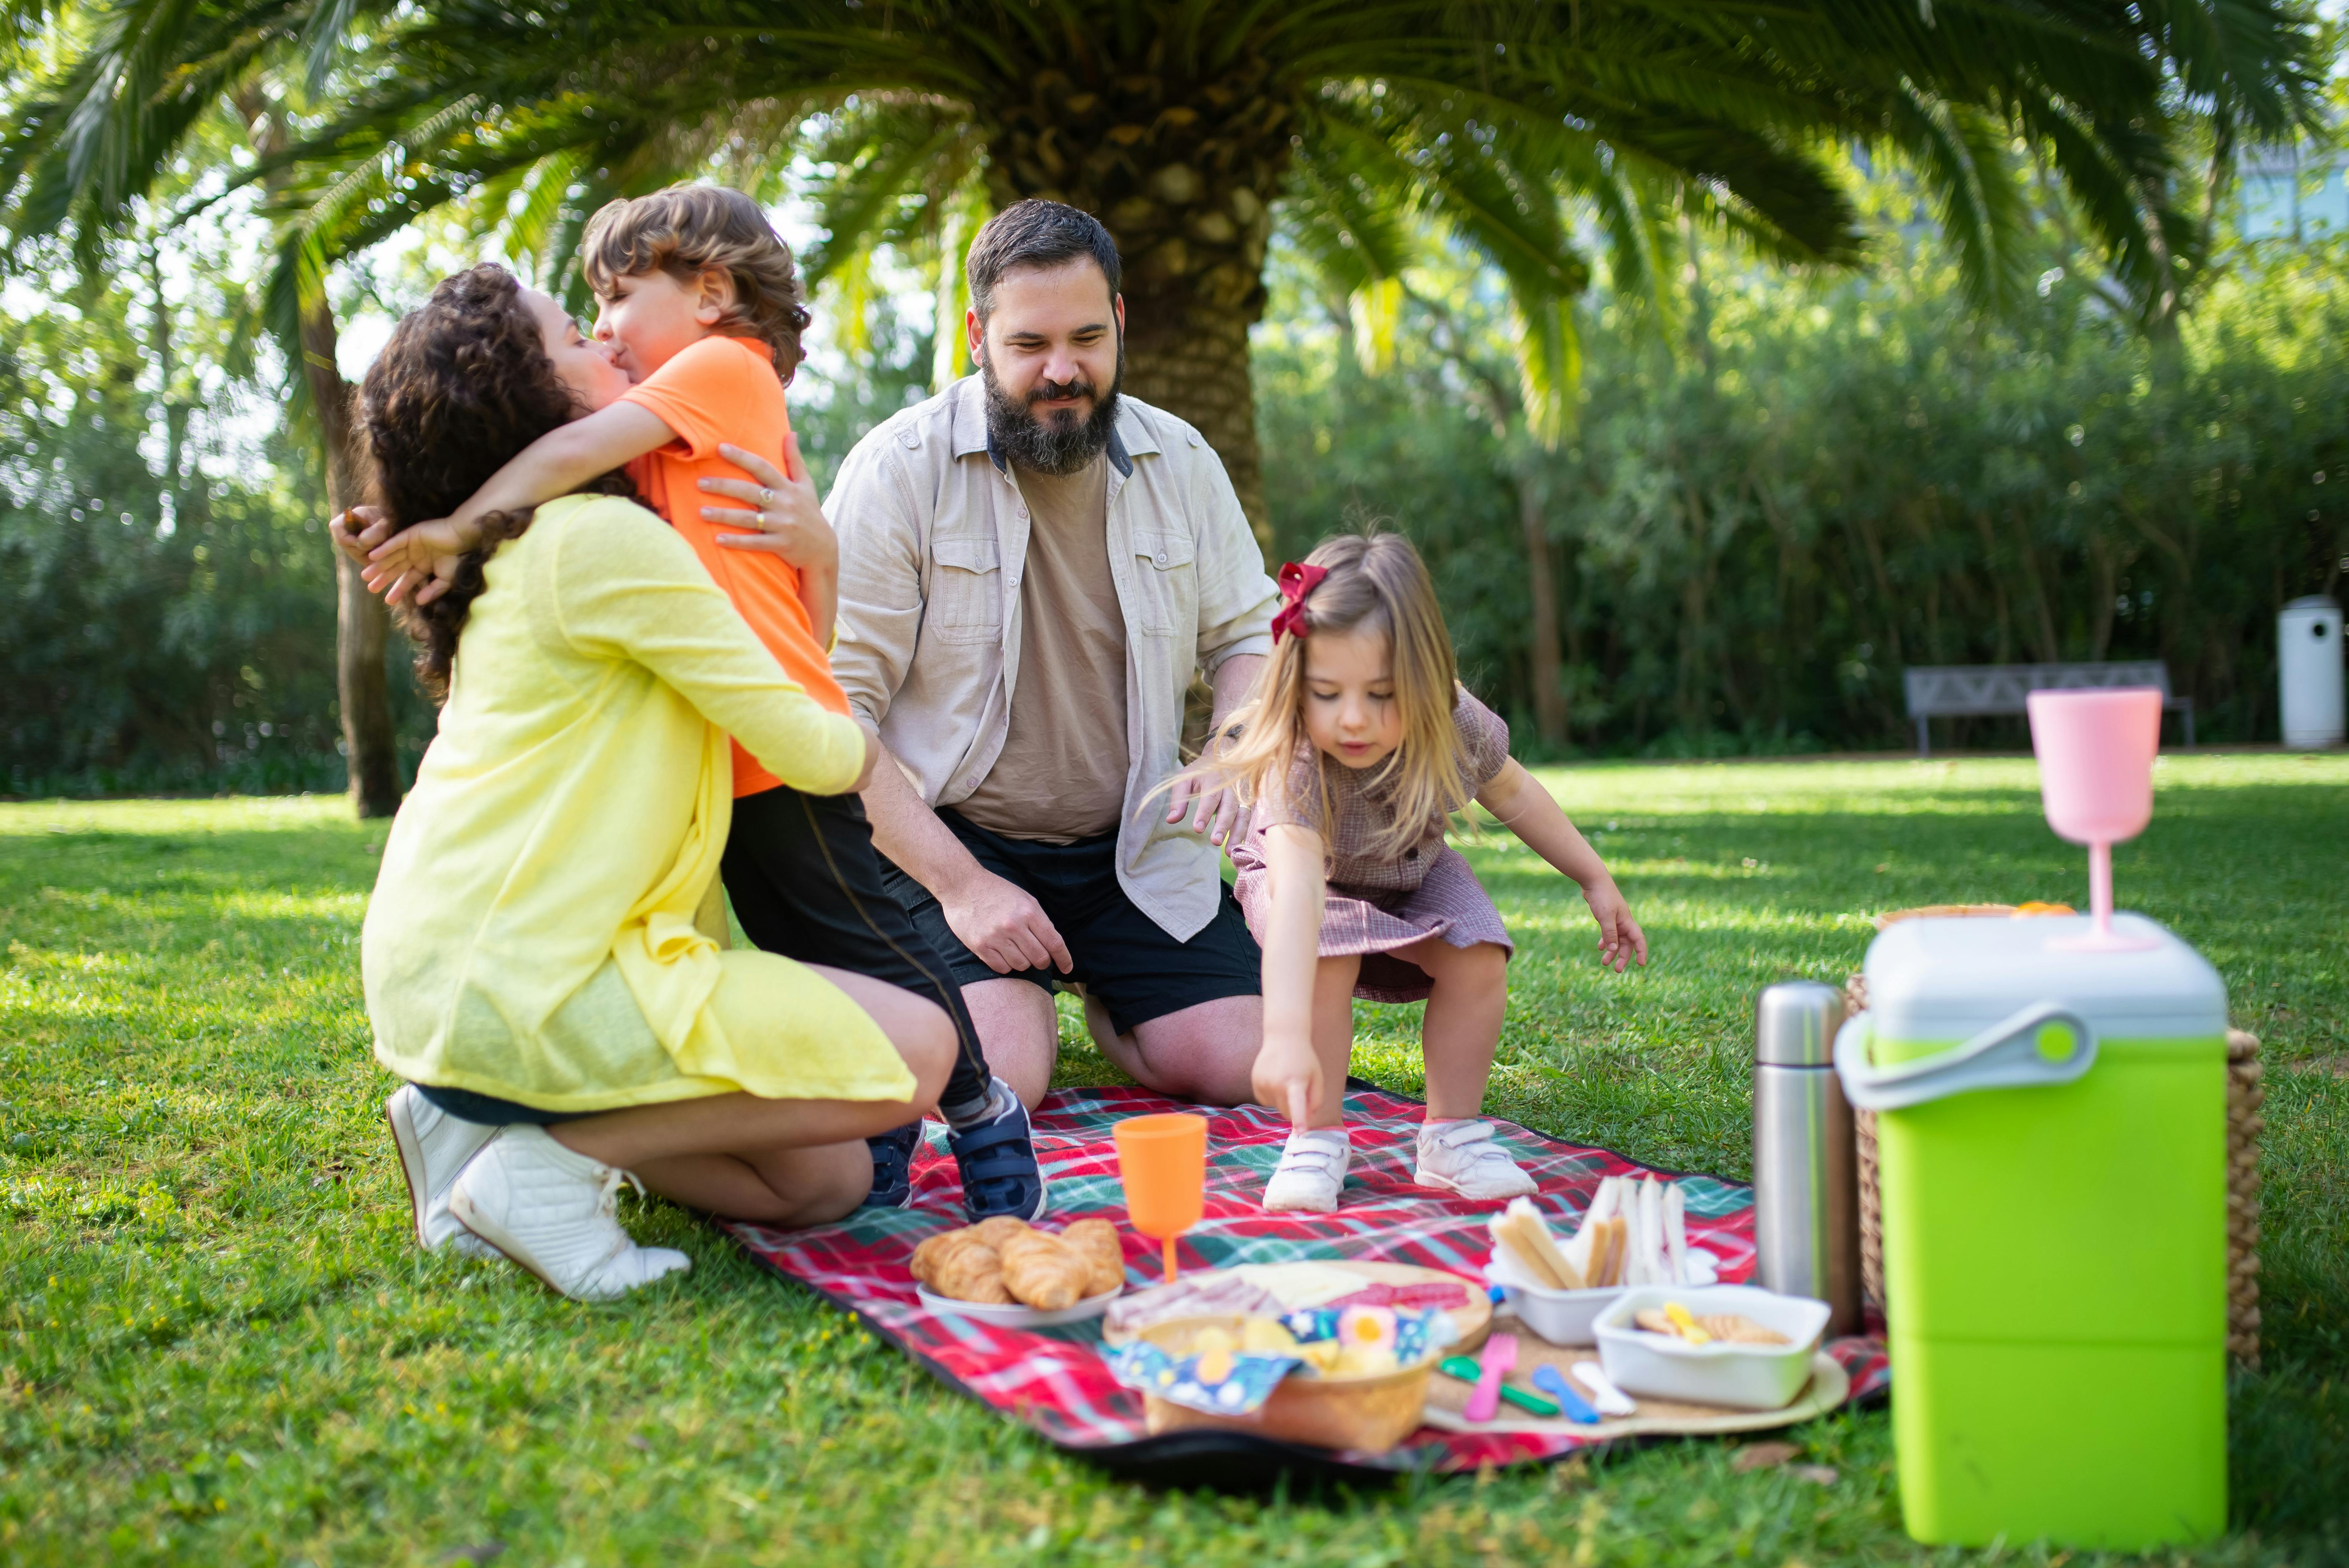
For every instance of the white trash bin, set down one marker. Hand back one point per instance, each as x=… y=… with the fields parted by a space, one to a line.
x=2308 y=669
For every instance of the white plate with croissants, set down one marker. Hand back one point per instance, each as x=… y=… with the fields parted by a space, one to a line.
x=1007 y=1272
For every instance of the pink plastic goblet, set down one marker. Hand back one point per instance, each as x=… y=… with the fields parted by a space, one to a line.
x=2096 y=751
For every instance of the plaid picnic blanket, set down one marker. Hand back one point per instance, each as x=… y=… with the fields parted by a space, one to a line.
x=1056 y=1381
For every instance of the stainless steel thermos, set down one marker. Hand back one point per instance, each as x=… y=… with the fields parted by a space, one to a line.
x=1806 y=1162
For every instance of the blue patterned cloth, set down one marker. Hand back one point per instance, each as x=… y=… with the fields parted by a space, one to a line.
x=1252 y=1375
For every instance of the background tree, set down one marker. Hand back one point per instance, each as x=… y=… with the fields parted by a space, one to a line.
x=1751 y=537
x=1185 y=123
x=231 y=115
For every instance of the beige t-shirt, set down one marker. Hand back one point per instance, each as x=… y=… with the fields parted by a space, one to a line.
x=1061 y=773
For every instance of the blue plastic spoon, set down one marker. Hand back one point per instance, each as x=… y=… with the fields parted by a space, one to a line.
x=1551 y=1381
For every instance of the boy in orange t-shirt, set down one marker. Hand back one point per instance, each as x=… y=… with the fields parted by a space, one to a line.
x=700 y=306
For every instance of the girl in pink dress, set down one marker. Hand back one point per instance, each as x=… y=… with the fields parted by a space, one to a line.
x=1358 y=745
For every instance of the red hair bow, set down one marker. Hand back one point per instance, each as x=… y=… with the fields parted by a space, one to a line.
x=1295 y=582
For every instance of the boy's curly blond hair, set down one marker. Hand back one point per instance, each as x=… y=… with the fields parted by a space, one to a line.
x=685 y=228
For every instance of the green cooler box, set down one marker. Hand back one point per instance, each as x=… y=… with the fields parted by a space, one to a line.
x=2051 y=1144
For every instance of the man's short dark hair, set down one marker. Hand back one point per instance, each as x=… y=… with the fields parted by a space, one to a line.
x=1036 y=233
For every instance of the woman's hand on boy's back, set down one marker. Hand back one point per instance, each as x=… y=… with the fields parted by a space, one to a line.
x=784 y=509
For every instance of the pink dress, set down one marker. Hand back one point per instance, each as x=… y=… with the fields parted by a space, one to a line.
x=1375 y=905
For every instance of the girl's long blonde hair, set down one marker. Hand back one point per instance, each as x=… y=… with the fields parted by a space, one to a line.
x=1376 y=583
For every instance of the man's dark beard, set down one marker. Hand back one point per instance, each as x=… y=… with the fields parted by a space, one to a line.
x=1056 y=443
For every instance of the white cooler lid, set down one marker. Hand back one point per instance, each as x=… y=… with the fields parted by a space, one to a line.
x=1947 y=979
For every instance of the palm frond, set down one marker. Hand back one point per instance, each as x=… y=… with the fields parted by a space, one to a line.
x=1978 y=200
x=869 y=163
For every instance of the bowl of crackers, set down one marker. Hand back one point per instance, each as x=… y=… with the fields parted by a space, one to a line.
x=1734 y=1345
x=1006 y=1271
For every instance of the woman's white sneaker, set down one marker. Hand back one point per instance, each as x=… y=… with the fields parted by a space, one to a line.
x=1462 y=1157
x=433 y=1150
x=554 y=1211
x=1312 y=1172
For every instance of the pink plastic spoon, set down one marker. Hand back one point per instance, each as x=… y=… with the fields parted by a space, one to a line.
x=1500 y=1358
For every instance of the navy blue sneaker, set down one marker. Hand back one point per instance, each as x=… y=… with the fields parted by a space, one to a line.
x=892 y=1166
x=997 y=1162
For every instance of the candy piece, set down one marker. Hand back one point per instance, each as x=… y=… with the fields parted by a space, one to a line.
x=1687 y=1327
x=1266 y=1337
x=1367 y=1327
x=1214 y=1349
x=1728 y=1328
x=1320 y=1355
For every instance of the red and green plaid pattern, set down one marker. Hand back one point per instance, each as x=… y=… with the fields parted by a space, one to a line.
x=1055 y=1379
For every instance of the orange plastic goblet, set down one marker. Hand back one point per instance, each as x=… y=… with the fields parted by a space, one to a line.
x=1163 y=1160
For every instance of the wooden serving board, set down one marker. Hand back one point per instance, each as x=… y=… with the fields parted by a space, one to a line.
x=1472 y=1322
x=1447 y=1398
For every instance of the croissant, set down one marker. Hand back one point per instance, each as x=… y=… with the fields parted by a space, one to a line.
x=926 y=1258
x=1043 y=1272
x=959 y=1265
x=1097 y=1242
x=996 y=1231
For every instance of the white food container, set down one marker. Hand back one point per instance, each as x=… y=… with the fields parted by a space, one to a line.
x=1744 y=1376
x=1559 y=1317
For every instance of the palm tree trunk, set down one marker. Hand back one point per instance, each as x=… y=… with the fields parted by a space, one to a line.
x=1183 y=170
x=1192 y=360
x=360 y=623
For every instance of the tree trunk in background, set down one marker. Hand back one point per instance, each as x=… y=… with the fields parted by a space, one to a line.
x=361 y=623
x=1545 y=667
x=1194 y=363
x=1182 y=169
x=360 y=620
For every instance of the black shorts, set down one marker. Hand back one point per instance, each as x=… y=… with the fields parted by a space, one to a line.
x=1120 y=954
x=807 y=882
x=488 y=1111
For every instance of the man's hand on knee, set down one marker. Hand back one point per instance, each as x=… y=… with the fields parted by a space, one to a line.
x=1002 y=924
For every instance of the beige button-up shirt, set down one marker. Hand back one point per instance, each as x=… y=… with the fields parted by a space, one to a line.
x=933 y=542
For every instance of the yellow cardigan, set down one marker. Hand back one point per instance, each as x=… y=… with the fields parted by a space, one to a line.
x=532 y=934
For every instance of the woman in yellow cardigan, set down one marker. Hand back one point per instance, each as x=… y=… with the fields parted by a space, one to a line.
x=531 y=959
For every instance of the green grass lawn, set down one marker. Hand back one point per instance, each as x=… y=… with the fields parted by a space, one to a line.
x=222 y=1346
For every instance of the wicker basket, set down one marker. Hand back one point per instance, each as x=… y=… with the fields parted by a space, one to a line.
x=2244 y=1125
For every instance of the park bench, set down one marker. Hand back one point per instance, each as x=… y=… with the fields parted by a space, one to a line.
x=1948 y=691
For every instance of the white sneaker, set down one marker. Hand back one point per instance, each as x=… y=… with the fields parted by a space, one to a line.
x=1462 y=1157
x=1312 y=1172
x=433 y=1148
x=553 y=1211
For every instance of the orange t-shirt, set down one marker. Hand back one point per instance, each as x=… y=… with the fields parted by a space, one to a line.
x=726 y=389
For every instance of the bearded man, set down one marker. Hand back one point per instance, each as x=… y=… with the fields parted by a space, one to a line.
x=1032 y=570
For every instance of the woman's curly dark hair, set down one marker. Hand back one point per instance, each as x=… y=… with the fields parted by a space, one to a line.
x=462 y=386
